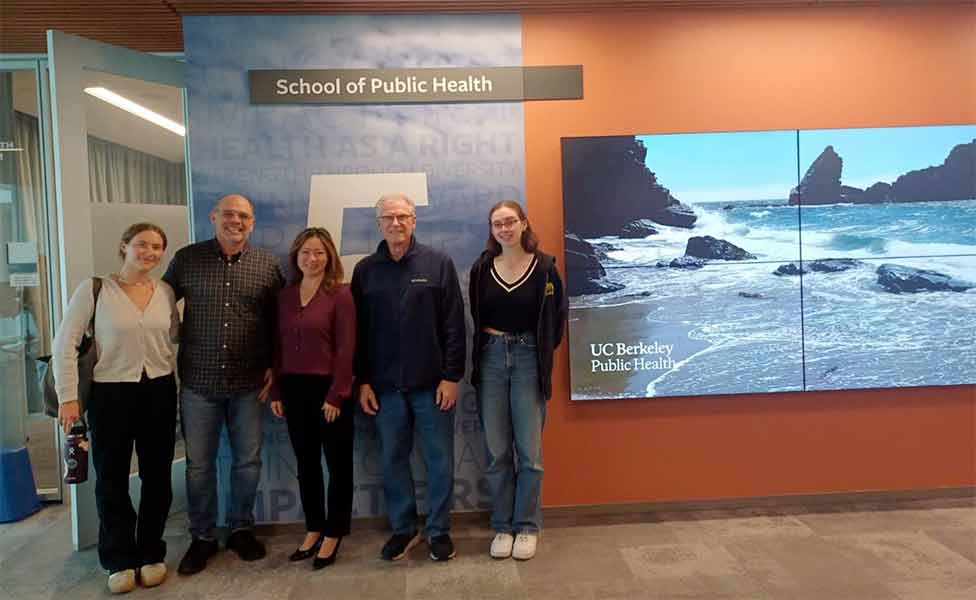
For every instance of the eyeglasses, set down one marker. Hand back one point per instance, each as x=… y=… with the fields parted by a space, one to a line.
x=505 y=224
x=391 y=219
x=229 y=214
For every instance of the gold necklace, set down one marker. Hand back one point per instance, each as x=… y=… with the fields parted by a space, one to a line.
x=122 y=280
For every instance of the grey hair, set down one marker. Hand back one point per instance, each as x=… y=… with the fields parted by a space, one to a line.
x=216 y=205
x=397 y=196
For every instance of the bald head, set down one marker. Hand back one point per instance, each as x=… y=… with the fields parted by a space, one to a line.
x=233 y=221
x=235 y=199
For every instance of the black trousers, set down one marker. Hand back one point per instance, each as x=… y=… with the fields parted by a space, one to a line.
x=310 y=433
x=120 y=415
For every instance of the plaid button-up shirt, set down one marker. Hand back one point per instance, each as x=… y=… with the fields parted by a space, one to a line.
x=227 y=335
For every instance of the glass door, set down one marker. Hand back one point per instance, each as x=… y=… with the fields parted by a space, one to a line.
x=119 y=158
x=26 y=275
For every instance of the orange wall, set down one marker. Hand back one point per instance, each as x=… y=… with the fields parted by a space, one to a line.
x=691 y=70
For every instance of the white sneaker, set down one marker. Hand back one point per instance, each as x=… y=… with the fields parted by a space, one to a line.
x=501 y=546
x=524 y=547
x=152 y=575
x=121 y=582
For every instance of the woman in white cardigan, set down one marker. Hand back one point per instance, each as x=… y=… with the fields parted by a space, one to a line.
x=133 y=402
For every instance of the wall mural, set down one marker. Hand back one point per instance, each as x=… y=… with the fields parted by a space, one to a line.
x=726 y=263
x=472 y=155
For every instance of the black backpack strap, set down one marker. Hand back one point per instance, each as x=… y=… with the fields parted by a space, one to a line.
x=96 y=290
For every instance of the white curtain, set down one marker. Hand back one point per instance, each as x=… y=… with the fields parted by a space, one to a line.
x=30 y=184
x=118 y=173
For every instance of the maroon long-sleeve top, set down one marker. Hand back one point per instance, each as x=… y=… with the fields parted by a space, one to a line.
x=317 y=339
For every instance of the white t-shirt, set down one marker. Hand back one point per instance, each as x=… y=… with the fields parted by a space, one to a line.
x=127 y=341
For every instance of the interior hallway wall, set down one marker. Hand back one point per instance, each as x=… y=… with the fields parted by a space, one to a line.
x=695 y=70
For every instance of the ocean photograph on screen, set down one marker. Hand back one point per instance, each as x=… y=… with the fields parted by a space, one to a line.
x=895 y=210
x=686 y=256
x=671 y=245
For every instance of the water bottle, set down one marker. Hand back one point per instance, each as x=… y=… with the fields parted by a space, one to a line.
x=76 y=454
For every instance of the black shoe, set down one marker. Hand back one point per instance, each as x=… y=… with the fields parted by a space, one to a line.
x=197 y=555
x=398 y=545
x=300 y=554
x=441 y=548
x=322 y=562
x=246 y=545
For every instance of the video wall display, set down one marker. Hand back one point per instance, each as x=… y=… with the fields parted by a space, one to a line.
x=773 y=261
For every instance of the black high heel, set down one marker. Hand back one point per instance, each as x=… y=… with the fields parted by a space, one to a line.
x=321 y=562
x=300 y=554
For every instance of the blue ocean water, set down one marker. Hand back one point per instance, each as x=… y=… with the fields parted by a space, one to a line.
x=772 y=231
x=851 y=332
x=895 y=229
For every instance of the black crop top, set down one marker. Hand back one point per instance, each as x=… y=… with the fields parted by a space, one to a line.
x=511 y=307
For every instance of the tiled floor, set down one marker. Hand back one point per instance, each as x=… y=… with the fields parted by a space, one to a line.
x=913 y=550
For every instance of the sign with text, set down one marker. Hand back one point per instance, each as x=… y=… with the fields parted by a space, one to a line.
x=393 y=86
x=308 y=162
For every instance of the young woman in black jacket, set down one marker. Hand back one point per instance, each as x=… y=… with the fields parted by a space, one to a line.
x=519 y=311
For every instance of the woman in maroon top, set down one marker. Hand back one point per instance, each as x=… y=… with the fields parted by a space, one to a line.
x=313 y=384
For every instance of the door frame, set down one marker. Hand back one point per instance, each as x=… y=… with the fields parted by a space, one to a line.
x=68 y=57
x=38 y=64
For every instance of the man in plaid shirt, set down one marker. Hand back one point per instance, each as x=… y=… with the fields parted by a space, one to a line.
x=229 y=289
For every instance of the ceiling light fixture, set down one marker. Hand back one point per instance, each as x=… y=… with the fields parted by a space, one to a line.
x=137 y=109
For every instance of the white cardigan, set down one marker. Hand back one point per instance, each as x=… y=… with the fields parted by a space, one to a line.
x=128 y=342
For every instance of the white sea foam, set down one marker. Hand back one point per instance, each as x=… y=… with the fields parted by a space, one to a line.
x=856 y=333
x=767 y=243
x=650 y=389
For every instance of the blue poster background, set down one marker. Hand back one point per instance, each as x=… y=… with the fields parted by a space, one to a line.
x=473 y=155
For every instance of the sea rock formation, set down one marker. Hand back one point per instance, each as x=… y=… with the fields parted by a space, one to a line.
x=606 y=186
x=584 y=272
x=709 y=247
x=821 y=183
x=789 y=269
x=603 y=249
x=954 y=179
x=682 y=262
x=823 y=265
x=833 y=265
x=851 y=194
x=640 y=228
x=878 y=192
x=900 y=279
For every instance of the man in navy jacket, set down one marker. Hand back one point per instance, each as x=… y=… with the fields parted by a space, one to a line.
x=409 y=359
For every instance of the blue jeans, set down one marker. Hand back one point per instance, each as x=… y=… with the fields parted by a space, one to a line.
x=203 y=417
x=513 y=412
x=399 y=413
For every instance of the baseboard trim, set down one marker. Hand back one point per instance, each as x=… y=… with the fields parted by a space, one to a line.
x=637 y=512
x=759 y=505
